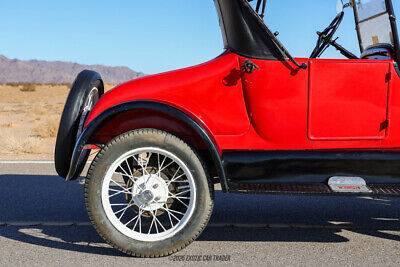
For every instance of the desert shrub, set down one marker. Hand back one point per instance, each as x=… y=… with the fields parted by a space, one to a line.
x=51 y=84
x=12 y=84
x=30 y=145
x=68 y=85
x=28 y=87
x=39 y=110
x=48 y=129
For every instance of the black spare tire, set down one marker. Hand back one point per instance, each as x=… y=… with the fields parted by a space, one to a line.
x=85 y=92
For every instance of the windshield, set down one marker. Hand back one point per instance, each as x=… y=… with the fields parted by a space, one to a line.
x=373 y=23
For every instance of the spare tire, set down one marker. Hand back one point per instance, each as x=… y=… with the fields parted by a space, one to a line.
x=85 y=92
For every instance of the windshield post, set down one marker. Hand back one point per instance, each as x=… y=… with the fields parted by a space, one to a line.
x=353 y=2
x=395 y=32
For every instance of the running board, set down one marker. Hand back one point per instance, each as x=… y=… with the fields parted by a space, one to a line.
x=389 y=190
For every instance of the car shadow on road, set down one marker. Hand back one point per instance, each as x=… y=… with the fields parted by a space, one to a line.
x=33 y=198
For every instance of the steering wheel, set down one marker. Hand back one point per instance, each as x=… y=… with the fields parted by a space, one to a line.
x=325 y=37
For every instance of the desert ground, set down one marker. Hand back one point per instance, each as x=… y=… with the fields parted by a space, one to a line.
x=29 y=119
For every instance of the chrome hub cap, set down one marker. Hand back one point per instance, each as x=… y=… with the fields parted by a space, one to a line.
x=150 y=192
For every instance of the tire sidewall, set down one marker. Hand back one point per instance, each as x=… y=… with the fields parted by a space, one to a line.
x=111 y=153
x=68 y=128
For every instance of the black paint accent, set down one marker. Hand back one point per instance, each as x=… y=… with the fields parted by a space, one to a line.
x=316 y=189
x=310 y=166
x=94 y=126
x=396 y=67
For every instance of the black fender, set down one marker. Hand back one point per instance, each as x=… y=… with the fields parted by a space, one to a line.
x=78 y=160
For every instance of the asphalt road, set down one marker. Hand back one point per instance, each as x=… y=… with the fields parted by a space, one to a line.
x=43 y=222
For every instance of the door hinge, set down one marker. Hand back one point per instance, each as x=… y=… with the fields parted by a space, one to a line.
x=384 y=125
x=388 y=77
x=249 y=66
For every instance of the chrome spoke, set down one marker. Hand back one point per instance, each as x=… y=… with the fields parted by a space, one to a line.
x=129 y=167
x=138 y=219
x=118 y=184
x=170 y=219
x=180 y=193
x=126 y=190
x=151 y=225
x=132 y=221
x=182 y=202
x=162 y=164
x=184 y=181
x=124 y=171
x=169 y=213
x=174 y=179
x=119 y=192
x=141 y=165
x=127 y=207
x=178 y=212
x=157 y=220
x=174 y=197
x=123 y=209
x=166 y=166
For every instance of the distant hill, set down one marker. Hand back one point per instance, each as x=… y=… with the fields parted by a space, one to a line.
x=38 y=71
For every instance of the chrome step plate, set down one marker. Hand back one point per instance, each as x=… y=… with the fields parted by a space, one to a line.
x=348 y=184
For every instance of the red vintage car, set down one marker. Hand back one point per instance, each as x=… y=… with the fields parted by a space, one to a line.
x=254 y=119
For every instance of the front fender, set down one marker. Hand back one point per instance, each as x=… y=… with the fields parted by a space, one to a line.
x=78 y=157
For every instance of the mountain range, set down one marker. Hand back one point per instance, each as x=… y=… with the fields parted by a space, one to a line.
x=39 y=71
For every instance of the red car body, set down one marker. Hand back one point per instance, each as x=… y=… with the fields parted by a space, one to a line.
x=259 y=116
x=274 y=108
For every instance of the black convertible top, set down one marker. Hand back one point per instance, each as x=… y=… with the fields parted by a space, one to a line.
x=245 y=33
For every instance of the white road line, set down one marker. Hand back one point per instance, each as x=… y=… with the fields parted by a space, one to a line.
x=30 y=162
x=25 y=162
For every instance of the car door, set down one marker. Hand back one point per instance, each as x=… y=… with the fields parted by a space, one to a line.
x=276 y=95
x=348 y=99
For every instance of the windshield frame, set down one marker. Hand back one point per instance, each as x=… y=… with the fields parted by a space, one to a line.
x=393 y=24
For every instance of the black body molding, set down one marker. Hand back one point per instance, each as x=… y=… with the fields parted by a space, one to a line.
x=310 y=166
x=77 y=163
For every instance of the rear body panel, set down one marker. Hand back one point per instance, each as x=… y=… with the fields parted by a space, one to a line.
x=211 y=93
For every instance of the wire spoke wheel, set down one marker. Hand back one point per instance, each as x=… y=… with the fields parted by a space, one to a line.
x=148 y=194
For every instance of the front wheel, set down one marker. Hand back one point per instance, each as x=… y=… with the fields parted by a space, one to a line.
x=148 y=194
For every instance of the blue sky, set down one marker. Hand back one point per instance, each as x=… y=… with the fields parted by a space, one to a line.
x=151 y=36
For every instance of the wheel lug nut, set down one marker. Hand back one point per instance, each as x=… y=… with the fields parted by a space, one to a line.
x=155 y=186
x=157 y=198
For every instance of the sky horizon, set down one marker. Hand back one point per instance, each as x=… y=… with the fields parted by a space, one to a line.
x=152 y=37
